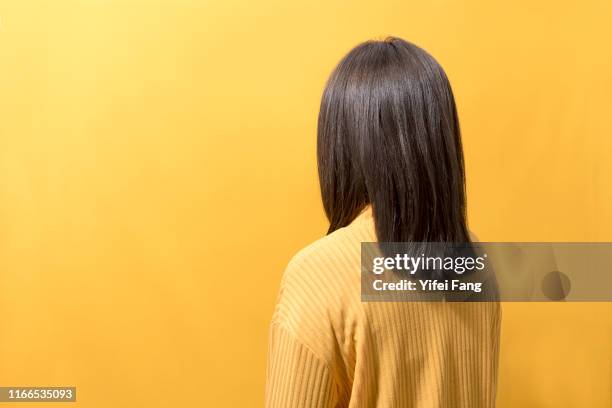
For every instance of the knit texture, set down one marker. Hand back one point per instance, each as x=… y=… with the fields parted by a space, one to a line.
x=329 y=349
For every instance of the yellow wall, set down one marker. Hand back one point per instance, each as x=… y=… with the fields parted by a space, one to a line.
x=157 y=171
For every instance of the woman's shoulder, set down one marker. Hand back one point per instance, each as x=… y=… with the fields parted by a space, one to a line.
x=335 y=255
x=319 y=290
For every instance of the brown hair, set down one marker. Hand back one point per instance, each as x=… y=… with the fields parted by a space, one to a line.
x=388 y=135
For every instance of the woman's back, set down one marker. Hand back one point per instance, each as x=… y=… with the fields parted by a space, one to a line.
x=329 y=349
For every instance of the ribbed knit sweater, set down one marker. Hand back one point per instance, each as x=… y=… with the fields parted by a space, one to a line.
x=329 y=349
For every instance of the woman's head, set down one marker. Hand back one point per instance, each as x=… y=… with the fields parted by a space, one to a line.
x=388 y=135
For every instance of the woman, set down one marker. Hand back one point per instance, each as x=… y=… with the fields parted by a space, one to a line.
x=391 y=170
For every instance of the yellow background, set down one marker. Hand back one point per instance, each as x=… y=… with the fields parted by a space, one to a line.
x=157 y=171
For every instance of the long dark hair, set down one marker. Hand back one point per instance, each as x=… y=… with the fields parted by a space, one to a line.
x=388 y=135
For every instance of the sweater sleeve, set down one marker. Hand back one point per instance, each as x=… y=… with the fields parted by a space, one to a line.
x=296 y=377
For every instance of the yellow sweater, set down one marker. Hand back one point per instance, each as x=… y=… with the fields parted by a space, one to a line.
x=328 y=349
